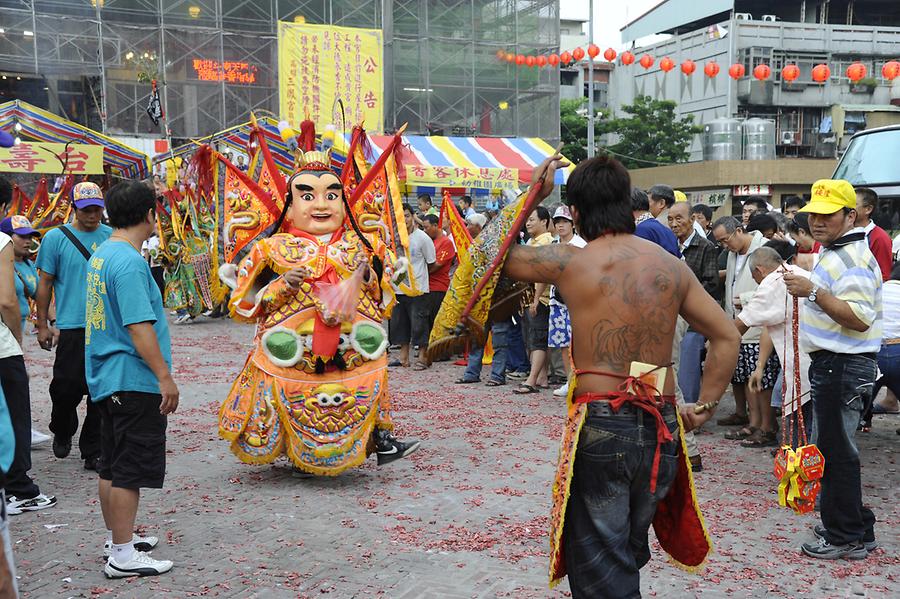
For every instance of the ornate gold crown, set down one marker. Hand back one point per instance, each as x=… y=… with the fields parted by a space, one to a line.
x=313 y=158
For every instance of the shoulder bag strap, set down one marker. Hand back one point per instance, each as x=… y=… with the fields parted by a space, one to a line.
x=78 y=245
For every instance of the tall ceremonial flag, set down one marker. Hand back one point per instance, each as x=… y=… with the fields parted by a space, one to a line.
x=154 y=107
x=318 y=64
x=458 y=231
x=249 y=209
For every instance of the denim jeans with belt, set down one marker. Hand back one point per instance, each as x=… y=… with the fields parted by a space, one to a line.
x=499 y=339
x=841 y=384
x=610 y=504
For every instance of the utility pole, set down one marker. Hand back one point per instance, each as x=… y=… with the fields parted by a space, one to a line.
x=590 y=131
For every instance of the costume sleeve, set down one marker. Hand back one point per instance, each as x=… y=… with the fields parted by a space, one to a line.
x=258 y=291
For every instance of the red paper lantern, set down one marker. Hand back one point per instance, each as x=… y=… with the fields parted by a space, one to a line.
x=510 y=57
x=609 y=55
x=736 y=71
x=553 y=59
x=627 y=58
x=646 y=61
x=530 y=61
x=501 y=54
x=688 y=67
x=565 y=57
x=891 y=70
x=711 y=69
x=762 y=72
x=666 y=64
x=856 y=71
x=578 y=53
x=593 y=51
x=520 y=59
x=821 y=73
x=541 y=61
x=790 y=72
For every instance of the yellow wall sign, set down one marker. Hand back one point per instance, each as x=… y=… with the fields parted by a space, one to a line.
x=319 y=63
x=40 y=157
x=470 y=178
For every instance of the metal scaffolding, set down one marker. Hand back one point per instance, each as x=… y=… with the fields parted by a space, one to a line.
x=442 y=75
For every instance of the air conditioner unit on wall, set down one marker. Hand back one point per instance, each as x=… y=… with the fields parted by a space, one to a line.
x=769 y=18
x=787 y=138
x=743 y=16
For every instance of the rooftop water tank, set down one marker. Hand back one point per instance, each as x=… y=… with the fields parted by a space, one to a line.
x=759 y=139
x=722 y=139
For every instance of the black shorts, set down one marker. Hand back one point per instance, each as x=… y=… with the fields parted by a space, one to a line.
x=538 y=328
x=746 y=364
x=409 y=320
x=132 y=440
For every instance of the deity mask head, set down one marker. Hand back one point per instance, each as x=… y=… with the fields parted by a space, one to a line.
x=317 y=202
x=315 y=197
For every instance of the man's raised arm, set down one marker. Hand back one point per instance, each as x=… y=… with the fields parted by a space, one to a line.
x=542 y=264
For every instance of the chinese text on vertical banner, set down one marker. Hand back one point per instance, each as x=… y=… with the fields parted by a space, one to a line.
x=319 y=63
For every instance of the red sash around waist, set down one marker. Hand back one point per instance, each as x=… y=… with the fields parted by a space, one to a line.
x=642 y=396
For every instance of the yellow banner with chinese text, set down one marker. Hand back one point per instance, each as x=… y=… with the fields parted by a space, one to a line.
x=41 y=157
x=469 y=178
x=320 y=63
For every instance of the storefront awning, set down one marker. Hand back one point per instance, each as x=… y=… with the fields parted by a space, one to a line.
x=38 y=124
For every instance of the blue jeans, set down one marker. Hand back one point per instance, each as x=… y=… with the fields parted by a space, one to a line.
x=889 y=363
x=499 y=340
x=841 y=384
x=517 y=359
x=690 y=369
x=610 y=505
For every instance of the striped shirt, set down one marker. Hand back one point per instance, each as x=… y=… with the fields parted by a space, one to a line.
x=850 y=273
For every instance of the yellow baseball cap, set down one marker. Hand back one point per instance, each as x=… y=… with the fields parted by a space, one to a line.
x=830 y=195
x=680 y=196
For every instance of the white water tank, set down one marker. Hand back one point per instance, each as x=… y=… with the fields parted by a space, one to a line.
x=722 y=139
x=759 y=139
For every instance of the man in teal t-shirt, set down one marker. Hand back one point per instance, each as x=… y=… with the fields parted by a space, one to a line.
x=62 y=262
x=23 y=235
x=128 y=360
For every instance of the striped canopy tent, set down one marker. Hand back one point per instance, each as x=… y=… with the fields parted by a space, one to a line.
x=520 y=154
x=238 y=138
x=37 y=124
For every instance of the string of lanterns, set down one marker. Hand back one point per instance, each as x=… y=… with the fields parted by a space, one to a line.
x=791 y=72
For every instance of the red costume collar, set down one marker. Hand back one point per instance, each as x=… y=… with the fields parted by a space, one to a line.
x=298 y=233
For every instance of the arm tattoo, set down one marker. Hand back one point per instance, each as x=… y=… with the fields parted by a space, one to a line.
x=547 y=262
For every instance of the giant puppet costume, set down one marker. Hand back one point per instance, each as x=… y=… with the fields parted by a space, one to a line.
x=315 y=384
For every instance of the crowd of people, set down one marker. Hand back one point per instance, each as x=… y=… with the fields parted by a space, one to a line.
x=830 y=353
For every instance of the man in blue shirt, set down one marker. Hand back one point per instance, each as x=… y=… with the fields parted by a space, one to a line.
x=127 y=363
x=23 y=235
x=62 y=262
x=649 y=228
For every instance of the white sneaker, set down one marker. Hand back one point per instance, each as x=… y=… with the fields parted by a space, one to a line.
x=38 y=438
x=183 y=319
x=562 y=391
x=16 y=506
x=140 y=564
x=144 y=544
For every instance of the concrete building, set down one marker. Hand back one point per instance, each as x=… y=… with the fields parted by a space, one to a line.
x=92 y=60
x=573 y=78
x=808 y=120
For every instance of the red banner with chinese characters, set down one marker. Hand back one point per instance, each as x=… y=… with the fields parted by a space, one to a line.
x=40 y=157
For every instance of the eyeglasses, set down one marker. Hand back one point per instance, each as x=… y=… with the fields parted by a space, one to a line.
x=724 y=242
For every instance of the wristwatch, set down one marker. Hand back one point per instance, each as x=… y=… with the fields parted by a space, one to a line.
x=812 y=294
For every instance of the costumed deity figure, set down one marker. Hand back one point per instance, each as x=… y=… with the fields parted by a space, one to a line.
x=315 y=384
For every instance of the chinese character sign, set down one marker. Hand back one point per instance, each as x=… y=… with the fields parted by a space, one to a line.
x=469 y=178
x=28 y=157
x=318 y=64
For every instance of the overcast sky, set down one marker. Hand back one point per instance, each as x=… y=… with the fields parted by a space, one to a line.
x=609 y=16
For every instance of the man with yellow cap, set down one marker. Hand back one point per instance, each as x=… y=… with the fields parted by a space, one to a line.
x=840 y=328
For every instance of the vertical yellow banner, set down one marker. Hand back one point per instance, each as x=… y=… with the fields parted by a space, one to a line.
x=319 y=63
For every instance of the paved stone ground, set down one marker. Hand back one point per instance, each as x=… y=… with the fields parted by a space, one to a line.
x=466 y=516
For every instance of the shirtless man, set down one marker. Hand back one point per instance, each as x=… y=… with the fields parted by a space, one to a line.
x=624 y=295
